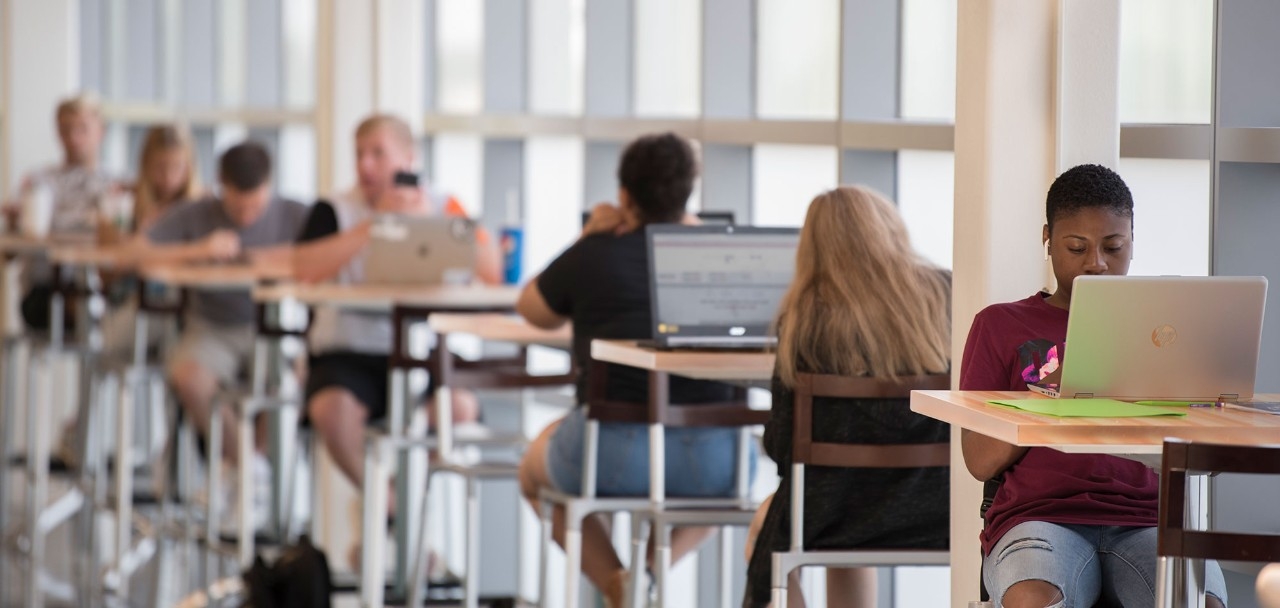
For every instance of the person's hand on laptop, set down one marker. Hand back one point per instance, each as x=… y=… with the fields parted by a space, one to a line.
x=607 y=218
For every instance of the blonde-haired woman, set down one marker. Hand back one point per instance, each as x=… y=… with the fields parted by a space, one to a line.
x=166 y=178
x=862 y=303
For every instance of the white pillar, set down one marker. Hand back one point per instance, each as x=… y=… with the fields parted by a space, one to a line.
x=1036 y=93
x=42 y=65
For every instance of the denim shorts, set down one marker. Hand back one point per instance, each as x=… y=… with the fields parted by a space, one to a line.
x=700 y=462
x=1085 y=562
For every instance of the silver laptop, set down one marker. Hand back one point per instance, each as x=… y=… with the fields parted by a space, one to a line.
x=718 y=286
x=420 y=250
x=1169 y=338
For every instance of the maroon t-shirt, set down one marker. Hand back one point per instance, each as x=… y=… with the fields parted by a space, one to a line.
x=1010 y=345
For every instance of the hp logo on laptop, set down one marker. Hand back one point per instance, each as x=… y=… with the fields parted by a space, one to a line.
x=1163 y=336
x=737 y=331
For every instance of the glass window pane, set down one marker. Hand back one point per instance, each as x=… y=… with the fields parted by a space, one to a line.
x=667 y=48
x=458 y=167
x=553 y=182
x=926 y=200
x=299 y=53
x=557 y=51
x=297 y=163
x=928 y=56
x=459 y=32
x=1166 y=61
x=1171 y=215
x=798 y=52
x=785 y=178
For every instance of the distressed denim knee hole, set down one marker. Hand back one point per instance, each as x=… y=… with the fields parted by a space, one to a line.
x=1025 y=543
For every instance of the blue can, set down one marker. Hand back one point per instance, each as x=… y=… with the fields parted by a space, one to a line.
x=512 y=253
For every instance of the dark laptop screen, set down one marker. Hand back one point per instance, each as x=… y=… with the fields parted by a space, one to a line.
x=719 y=281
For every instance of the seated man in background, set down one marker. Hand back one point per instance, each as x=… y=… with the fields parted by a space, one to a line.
x=72 y=192
x=217 y=343
x=347 y=378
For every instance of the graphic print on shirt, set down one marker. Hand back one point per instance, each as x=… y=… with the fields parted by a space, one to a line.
x=1037 y=359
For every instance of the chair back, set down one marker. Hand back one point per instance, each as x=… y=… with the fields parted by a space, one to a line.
x=806 y=451
x=660 y=410
x=1183 y=457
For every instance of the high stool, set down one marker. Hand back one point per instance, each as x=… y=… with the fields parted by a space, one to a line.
x=805 y=451
x=500 y=373
x=1178 y=538
x=658 y=414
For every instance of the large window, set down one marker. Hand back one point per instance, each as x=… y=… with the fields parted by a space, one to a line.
x=231 y=69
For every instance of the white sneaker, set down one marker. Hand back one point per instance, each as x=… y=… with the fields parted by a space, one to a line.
x=260 y=500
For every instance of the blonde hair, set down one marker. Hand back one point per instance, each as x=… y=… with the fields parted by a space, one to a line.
x=82 y=103
x=161 y=139
x=862 y=303
x=390 y=122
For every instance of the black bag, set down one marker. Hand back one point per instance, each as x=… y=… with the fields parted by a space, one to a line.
x=299 y=579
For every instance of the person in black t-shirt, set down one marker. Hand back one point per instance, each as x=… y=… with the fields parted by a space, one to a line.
x=601 y=285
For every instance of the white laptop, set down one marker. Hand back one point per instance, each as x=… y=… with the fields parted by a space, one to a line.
x=718 y=286
x=420 y=250
x=1167 y=338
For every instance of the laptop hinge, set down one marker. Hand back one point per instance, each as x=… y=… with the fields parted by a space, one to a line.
x=1229 y=397
x=1083 y=396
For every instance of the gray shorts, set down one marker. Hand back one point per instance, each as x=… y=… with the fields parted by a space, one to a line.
x=226 y=351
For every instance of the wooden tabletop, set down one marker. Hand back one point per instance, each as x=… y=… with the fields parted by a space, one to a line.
x=382 y=297
x=215 y=276
x=501 y=328
x=969 y=410
x=89 y=255
x=12 y=243
x=703 y=365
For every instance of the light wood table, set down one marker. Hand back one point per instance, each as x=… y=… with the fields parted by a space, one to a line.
x=501 y=328
x=724 y=365
x=384 y=298
x=1118 y=436
x=215 y=276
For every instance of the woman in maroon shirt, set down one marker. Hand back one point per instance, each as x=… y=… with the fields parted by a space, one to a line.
x=1063 y=529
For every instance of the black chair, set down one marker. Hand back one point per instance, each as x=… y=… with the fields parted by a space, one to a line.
x=1177 y=542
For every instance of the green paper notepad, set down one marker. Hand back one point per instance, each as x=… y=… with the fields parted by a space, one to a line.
x=1088 y=408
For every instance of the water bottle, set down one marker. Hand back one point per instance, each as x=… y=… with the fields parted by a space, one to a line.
x=37 y=210
x=512 y=241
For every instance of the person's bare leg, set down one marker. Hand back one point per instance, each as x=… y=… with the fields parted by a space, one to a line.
x=1031 y=594
x=600 y=563
x=465 y=408
x=339 y=420
x=196 y=387
x=851 y=588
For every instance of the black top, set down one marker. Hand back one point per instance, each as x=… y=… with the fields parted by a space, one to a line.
x=321 y=222
x=601 y=283
x=852 y=508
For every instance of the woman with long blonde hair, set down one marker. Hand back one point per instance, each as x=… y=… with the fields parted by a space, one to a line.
x=166 y=177
x=862 y=303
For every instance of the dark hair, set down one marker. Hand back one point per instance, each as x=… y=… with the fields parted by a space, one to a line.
x=245 y=166
x=658 y=172
x=1087 y=187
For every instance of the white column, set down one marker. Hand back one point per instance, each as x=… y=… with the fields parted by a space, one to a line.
x=346 y=79
x=42 y=62
x=1027 y=107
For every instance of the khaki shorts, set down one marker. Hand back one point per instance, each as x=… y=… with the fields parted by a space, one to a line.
x=226 y=351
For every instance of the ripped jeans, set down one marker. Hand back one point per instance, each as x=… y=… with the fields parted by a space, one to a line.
x=1086 y=563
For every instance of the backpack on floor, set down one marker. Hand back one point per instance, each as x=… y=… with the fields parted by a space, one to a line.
x=298 y=579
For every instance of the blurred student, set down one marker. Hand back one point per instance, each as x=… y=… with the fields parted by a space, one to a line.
x=863 y=304
x=216 y=347
x=63 y=199
x=347 y=371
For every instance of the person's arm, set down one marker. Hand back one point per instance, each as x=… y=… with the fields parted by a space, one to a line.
x=217 y=245
x=547 y=300
x=323 y=259
x=534 y=308
x=488 y=258
x=981 y=369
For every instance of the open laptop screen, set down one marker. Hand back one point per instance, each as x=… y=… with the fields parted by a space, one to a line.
x=719 y=280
